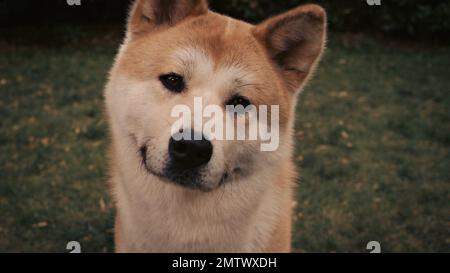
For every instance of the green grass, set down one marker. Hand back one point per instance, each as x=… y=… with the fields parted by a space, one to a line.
x=372 y=144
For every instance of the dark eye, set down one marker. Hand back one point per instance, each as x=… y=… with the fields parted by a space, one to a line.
x=239 y=101
x=173 y=82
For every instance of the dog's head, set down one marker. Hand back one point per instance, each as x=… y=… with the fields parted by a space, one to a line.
x=178 y=50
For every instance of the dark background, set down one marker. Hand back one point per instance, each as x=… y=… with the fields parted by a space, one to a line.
x=414 y=19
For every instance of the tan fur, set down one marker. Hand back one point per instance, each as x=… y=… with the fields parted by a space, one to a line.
x=219 y=56
x=280 y=240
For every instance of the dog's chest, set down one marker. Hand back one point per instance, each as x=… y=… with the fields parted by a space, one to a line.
x=163 y=231
x=165 y=225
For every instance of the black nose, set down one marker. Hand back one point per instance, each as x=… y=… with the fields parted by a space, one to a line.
x=190 y=154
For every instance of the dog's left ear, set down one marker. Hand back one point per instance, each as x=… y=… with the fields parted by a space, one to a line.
x=294 y=41
x=148 y=15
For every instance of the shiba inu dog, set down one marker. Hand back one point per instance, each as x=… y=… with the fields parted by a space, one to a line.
x=205 y=195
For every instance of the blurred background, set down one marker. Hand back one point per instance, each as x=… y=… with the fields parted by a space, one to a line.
x=372 y=131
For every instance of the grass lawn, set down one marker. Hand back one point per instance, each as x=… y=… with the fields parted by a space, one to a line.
x=372 y=143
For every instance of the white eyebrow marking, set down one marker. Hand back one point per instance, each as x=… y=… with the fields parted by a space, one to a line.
x=193 y=60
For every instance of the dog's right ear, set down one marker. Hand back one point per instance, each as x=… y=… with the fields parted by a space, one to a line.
x=294 y=41
x=147 y=15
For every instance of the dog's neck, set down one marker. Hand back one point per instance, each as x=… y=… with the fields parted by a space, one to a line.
x=158 y=216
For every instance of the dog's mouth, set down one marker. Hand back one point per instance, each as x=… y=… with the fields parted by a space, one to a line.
x=144 y=163
x=191 y=179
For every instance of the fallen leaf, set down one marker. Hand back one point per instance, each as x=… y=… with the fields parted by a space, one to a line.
x=40 y=225
x=102 y=205
x=45 y=141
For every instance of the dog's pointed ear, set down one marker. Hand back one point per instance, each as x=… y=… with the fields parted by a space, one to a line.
x=146 y=15
x=294 y=41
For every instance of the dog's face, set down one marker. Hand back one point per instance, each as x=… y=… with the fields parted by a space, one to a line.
x=178 y=50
